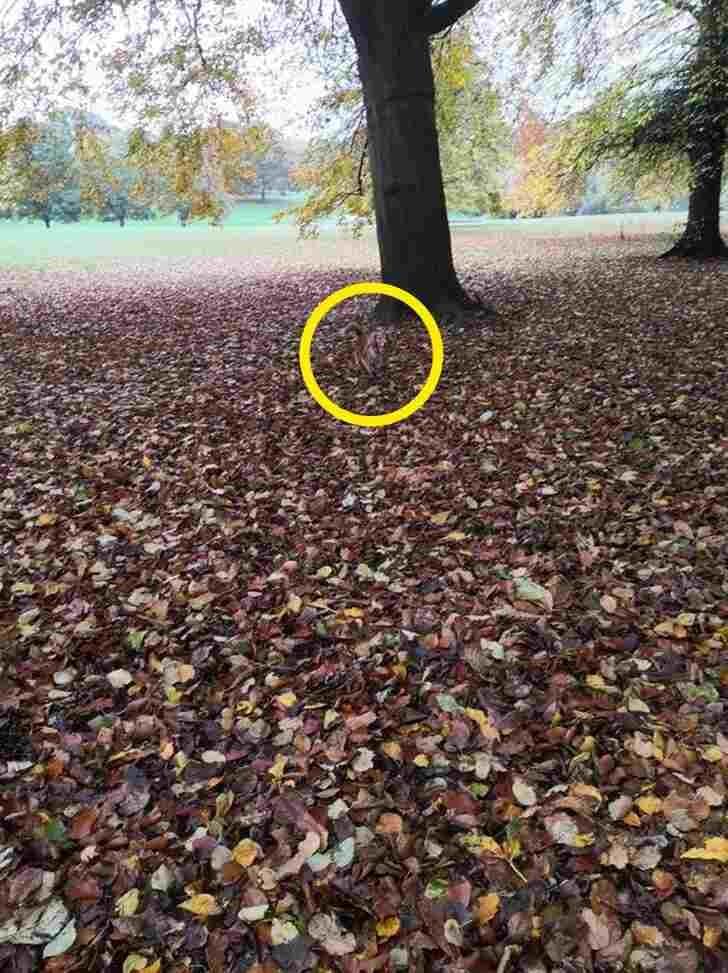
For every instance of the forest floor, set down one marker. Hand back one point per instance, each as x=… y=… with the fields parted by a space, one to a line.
x=278 y=693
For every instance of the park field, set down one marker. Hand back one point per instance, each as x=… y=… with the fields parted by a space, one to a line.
x=282 y=693
x=252 y=233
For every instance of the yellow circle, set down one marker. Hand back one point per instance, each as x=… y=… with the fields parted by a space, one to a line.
x=357 y=418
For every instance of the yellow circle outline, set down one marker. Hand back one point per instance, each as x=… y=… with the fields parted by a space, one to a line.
x=357 y=418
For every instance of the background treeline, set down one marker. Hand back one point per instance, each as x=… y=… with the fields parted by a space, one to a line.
x=73 y=165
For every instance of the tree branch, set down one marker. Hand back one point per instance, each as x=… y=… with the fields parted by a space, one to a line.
x=442 y=15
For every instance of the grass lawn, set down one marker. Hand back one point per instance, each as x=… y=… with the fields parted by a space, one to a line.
x=282 y=694
x=251 y=231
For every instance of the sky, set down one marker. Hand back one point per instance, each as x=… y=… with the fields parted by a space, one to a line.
x=284 y=94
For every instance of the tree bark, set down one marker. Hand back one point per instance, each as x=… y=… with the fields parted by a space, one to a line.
x=701 y=237
x=393 y=48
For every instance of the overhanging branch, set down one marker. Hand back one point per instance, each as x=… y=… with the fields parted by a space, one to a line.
x=440 y=16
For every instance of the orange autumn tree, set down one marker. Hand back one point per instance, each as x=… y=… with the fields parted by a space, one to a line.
x=540 y=186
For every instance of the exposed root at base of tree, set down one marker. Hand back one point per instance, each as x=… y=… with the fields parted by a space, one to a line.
x=450 y=311
x=688 y=248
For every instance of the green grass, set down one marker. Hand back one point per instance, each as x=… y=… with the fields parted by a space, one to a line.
x=252 y=215
x=250 y=230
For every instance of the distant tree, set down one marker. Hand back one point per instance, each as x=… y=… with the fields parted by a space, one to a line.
x=112 y=188
x=668 y=108
x=266 y=165
x=692 y=120
x=38 y=174
x=539 y=187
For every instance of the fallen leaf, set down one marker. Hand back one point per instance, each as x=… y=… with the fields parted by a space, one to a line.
x=325 y=929
x=128 y=903
x=386 y=928
x=202 y=904
x=389 y=824
x=245 y=852
x=524 y=793
x=649 y=804
x=118 y=678
x=487 y=907
x=714 y=849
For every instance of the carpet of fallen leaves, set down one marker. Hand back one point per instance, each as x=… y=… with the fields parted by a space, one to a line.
x=282 y=694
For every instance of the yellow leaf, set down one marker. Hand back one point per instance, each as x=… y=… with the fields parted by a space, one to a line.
x=146 y=462
x=201 y=904
x=712 y=754
x=45 y=520
x=173 y=695
x=245 y=852
x=479 y=843
x=714 y=849
x=512 y=847
x=154 y=967
x=386 y=928
x=287 y=699
x=486 y=908
x=294 y=603
x=647 y=935
x=649 y=804
x=582 y=840
x=128 y=903
x=596 y=681
x=440 y=518
x=632 y=820
x=185 y=672
x=278 y=768
x=455 y=535
x=586 y=790
x=354 y=613
x=392 y=750
x=134 y=961
x=181 y=760
x=711 y=936
x=483 y=721
x=421 y=760
x=223 y=803
x=166 y=749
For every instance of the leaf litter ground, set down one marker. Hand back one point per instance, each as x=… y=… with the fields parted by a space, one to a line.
x=282 y=694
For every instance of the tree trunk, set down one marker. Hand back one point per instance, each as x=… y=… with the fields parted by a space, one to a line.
x=409 y=199
x=701 y=238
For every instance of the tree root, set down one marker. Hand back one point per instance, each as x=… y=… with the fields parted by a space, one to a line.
x=692 y=249
x=450 y=311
